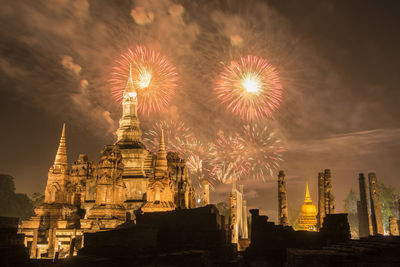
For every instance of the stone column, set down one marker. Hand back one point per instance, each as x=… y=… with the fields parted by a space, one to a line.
x=282 y=199
x=33 y=252
x=205 y=192
x=50 y=244
x=321 y=200
x=365 y=226
x=376 y=212
x=393 y=228
x=244 y=216
x=360 y=219
x=233 y=223
x=329 y=198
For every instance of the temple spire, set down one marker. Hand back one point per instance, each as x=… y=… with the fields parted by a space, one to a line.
x=162 y=141
x=129 y=132
x=130 y=87
x=61 y=156
x=161 y=162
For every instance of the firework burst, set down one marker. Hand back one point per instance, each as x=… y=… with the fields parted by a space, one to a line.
x=253 y=153
x=154 y=76
x=178 y=137
x=227 y=158
x=250 y=88
x=263 y=151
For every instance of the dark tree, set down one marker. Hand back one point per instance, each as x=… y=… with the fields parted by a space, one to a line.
x=37 y=199
x=350 y=207
x=11 y=203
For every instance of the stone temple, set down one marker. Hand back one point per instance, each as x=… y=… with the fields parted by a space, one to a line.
x=127 y=180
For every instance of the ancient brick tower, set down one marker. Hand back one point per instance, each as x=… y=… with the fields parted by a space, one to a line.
x=137 y=160
x=282 y=199
x=57 y=216
x=58 y=175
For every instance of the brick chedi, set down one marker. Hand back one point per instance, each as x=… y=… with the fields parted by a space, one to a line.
x=160 y=192
x=282 y=199
x=87 y=198
x=376 y=211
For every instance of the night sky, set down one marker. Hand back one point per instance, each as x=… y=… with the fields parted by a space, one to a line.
x=338 y=62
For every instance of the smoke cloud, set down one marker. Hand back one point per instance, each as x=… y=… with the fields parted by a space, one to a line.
x=68 y=64
x=142 y=17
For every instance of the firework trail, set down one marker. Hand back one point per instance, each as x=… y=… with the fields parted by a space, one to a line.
x=153 y=75
x=250 y=88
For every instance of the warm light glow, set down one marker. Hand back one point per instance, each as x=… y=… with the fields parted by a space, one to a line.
x=131 y=94
x=251 y=83
x=144 y=78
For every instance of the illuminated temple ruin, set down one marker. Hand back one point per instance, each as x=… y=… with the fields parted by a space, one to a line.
x=308 y=219
x=86 y=197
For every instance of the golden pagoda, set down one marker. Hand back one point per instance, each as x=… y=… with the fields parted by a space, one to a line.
x=308 y=216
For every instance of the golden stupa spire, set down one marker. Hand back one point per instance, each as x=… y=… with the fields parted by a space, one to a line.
x=307 y=199
x=61 y=156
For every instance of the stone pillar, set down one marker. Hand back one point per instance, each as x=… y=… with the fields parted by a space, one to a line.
x=205 y=192
x=321 y=200
x=393 y=228
x=359 y=219
x=244 y=216
x=33 y=252
x=50 y=244
x=330 y=205
x=365 y=225
x=233 y=223
x=376 y=212
x=282 y=200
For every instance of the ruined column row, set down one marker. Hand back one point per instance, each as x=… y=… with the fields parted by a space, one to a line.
x=326 y=199
x=369 y=223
